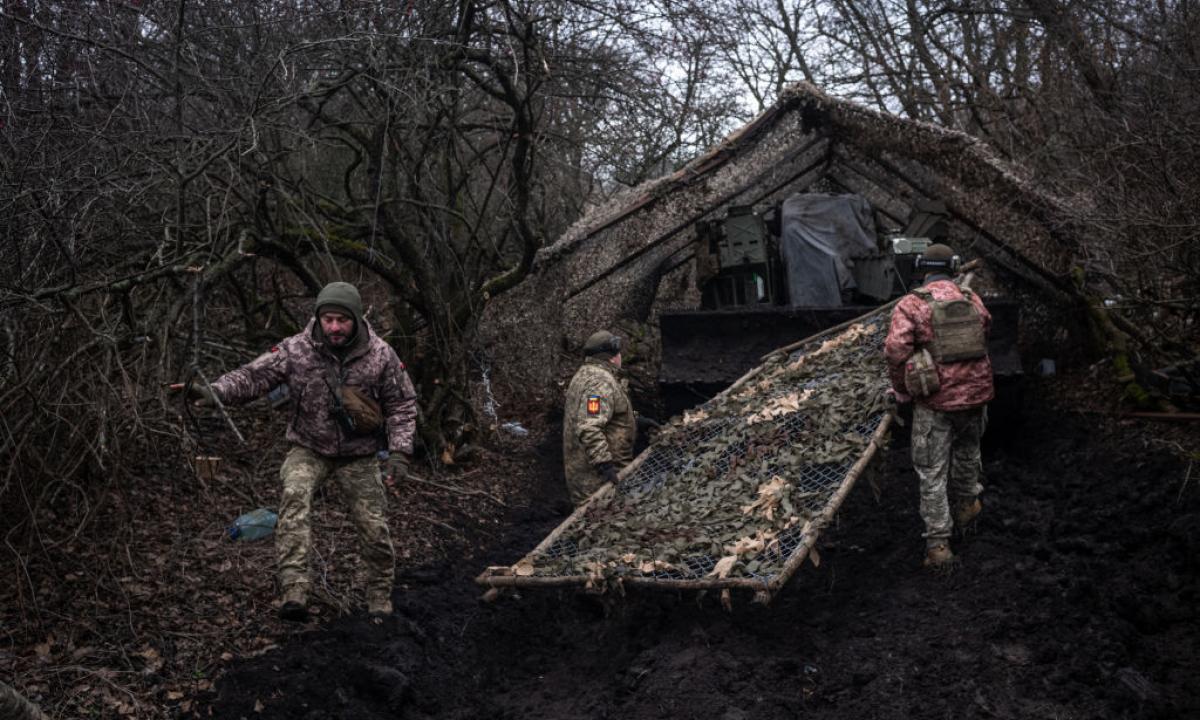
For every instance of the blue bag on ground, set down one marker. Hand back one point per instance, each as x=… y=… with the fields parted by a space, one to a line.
x=253 y=525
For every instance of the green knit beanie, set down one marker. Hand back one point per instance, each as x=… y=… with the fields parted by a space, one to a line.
x=341 y=296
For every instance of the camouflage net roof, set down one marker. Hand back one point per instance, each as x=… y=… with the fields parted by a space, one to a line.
x=734 y=493
x=629 y=258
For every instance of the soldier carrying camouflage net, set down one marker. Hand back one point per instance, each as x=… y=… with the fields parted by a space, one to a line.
x=936 y=352
x=599 y=426
x=352 y=398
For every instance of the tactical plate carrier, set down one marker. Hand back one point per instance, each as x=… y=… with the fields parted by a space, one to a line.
x=957 y=329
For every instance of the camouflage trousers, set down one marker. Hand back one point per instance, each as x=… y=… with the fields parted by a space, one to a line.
x=946 y=458
x=359 y=481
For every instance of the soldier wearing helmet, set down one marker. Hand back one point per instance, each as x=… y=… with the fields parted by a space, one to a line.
x=599 y=425
x=937 y=357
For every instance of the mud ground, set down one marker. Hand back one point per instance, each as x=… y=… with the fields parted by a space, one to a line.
x=1076 y=597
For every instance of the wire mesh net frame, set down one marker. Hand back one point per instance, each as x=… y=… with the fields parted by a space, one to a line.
x=647 y=471
x=764 y=587
x=814 y=483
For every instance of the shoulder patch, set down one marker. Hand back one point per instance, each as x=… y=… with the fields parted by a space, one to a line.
x=593 y=405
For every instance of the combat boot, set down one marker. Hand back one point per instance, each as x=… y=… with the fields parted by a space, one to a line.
x=295 y=604
x=938 y=555
x=379 y=603
x=966 y=512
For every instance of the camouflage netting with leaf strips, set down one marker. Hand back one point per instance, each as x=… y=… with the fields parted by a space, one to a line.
x=729 y=489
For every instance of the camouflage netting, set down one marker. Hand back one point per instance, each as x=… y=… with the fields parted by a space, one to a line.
x=739 y=487
x=627 y=259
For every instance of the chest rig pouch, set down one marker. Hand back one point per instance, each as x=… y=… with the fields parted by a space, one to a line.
x=921 y=375
x=355 y=412
x=957 y=328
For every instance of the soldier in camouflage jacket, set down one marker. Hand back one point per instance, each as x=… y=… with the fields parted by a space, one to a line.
x=599 y=425
x=948 y=424
x=338 y=349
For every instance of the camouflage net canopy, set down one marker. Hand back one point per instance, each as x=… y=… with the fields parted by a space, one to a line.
x=733 y=493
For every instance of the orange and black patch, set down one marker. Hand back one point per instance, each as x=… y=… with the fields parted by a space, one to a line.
x=593 y=405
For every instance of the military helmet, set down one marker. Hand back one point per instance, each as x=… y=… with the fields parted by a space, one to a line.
x=938 y=251
x=938 y=257
x=602 y=342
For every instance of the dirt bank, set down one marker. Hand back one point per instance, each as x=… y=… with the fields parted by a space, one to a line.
x=1076 y=598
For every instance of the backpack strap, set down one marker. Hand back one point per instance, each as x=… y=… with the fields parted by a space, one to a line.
x=928 y=296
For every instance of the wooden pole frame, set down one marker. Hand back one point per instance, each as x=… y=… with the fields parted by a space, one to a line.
x=831 y=507
x=764 y=589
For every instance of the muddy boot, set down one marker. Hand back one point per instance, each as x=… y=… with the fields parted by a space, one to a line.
x=295 y=604
x=379 y=603
x=938 y=555
x=965 y=514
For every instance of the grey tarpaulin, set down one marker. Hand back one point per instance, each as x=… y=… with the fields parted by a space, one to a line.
x=820 y=233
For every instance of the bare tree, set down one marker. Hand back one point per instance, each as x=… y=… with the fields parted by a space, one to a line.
x=1098 y=98
x=180 y=178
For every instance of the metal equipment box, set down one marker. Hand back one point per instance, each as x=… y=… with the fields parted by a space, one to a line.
x=910 y=245
x=744 y=241
x=874 y=275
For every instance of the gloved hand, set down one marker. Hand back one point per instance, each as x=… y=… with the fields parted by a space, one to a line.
x=646 y=424
x=200 y=395
x=395 y=468
x=895 y=396
x=608 y=471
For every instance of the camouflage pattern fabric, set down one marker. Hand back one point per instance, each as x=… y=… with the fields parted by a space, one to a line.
x=946 y=458
x=964 y=384
x=598 y=426
x=302 y=473
x=305 y=363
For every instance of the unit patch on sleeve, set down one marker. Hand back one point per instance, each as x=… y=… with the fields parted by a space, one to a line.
x=593 y=405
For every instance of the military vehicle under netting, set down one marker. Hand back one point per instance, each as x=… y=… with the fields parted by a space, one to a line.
x=770 y=276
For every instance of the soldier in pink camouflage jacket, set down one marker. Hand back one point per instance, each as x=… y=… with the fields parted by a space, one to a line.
x=338 y=347
x=947 y=425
